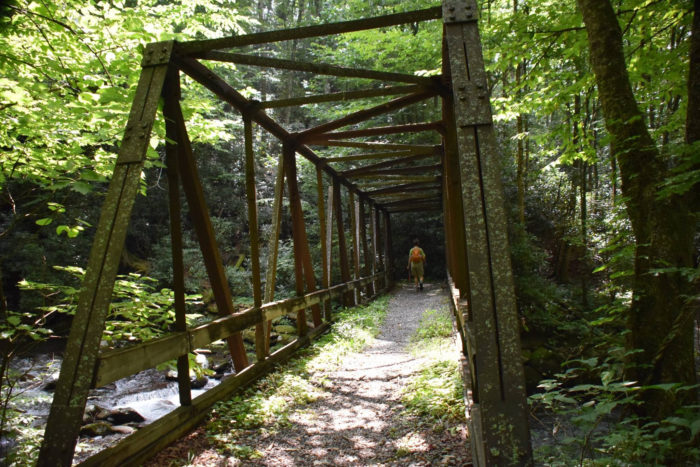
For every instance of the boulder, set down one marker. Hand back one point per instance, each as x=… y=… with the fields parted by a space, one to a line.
x=96 y=429
x=121 y=416
x=123 y=429
x=51 y=381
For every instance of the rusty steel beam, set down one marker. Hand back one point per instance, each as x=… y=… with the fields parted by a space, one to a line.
x=402 y=188
x=427 y=207
x=316 y=68
x=381 y=165
x=310 y=31
x=325 y=265
x=410 y=200
x=382 y=130
x=376 y=155
x=366 y=267
x=342 y=246
x=355 y=235
x=374 y=145
x=379 y=199
x=339 y=96
x=219 y=87
x=171 y=93
x=199 y=212
x=366 y=114
x=391 y=180
x=261 y=339
x=397 y=171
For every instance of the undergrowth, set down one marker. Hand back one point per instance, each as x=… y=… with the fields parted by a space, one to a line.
x=435 y=392
x=591 y=406
x=268 y=403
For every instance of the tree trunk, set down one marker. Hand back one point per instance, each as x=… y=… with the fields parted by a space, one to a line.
x=692 y=122
x=659 y=319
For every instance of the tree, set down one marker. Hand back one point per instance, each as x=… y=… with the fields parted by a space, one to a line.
x=660 y=317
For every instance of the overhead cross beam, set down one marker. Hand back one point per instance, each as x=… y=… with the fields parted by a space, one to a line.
x=317 y=68
x=366 y=114
x=340 y=96
x=320 y=30
x=389 y=163
x=384 y=130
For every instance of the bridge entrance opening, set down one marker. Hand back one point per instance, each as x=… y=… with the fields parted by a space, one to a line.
x=445 y=163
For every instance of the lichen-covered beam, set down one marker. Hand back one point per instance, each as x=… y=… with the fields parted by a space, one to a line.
x=310 y=31
x=220 y=88
x=199 y=213
x=171 y=93
x=403 y=188
x=340 y=96
x=385 y=164
x=374 y=145
x=396 y=171
x=366 y=114
x=316 y=68
x=382 y=130
x=82 y=348
x=499 y=413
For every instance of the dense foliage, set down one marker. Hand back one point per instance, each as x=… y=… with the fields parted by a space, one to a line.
x=67 y=75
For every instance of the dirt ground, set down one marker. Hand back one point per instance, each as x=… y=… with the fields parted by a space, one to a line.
x=360 y=419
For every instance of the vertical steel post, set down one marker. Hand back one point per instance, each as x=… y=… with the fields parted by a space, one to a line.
x=261 y=342
x=329 y=245
x=199 y=213
x=373 y=228
x=171 y=93
x=325 y=244
x=271 y=274
x=367 y=259
x=82 y=349
x=499 y=423
x=354 y=227
x=342 y=247
x=387 y=250
x=290 y=168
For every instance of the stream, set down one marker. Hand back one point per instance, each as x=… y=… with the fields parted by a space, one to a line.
x=150 y=394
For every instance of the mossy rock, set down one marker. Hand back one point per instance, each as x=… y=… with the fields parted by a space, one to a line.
x=285 y=329
x=96 y=429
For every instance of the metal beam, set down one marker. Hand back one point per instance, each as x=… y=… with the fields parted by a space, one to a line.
x=219 y=87
x=403 y=188
x=397 y=171
x=375 y=155
x=366 y=114
x=82 y=349
x=383 y=130
x=339 y=96
x=310 y=31
x=381 y=165
x=373 y=145
x=316 y=68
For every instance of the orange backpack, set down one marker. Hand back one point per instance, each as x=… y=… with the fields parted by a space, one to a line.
x=416 y=255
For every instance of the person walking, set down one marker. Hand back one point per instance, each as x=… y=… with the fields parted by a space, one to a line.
x=416 y=263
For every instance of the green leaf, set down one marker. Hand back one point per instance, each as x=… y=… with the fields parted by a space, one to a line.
x=13 y=320
x=81 y=187
x=44 y=221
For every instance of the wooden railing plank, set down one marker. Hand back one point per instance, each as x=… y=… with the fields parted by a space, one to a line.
x=117 y=364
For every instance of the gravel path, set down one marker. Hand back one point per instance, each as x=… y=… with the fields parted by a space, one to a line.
x=360 y=419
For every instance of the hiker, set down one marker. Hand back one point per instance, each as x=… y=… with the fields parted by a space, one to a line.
x=416 y=261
